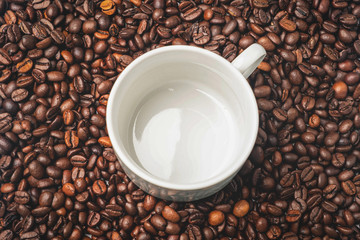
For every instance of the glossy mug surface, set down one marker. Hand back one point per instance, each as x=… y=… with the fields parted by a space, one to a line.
x=183 y=120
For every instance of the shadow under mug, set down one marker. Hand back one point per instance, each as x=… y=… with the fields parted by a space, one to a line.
x=183 y=120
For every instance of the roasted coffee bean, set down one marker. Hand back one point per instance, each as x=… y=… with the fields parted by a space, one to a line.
x=192 y=14
x=4 y=57
x=55 y=76
x=36 y=169
x=6 y=234
x=5 y=162
x=330 y=191
x=68 y=189
x=5 y=126
x=202 y=35
x=329 y=206
x=293 y=215
x=24 y=66
x=114 y=210
x=348 y=187
x=241 y=208
x=19 y=95
x=307 y=174
x=22 y=197
x=99 y=187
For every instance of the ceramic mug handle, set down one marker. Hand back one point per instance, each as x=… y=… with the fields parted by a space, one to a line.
x=249 y=59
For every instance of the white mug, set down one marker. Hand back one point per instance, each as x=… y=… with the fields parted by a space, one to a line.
x=183 y=120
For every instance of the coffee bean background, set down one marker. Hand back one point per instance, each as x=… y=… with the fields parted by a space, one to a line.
x=60 y=178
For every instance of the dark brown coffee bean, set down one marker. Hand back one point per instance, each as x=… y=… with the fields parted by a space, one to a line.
x=274 y=210
x=36 y=169
x=4 y=57
x=57 y=36
x=5 y=162
x=330 y=191
x=293 y=215
x=192 y=14
x=307 y=174
x=348 y=187
x=55 y=76
x=22 y=197
x=279 y=114
x=202 y=35
x=329 y=206
x=5 y=125
x=345 y=175
x=230 y=52
x=158 y=222
x=6 y=234
x=93 y=219
x=338 y=160
x=274 y=232
x=331 y=139
x=46 y=199
x=287 y=25
x=114 y=210
x=229 y=27
x=19 y=95
x=99 y=187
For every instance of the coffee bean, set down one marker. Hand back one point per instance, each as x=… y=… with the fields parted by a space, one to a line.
x=340 y=89
x=158 y=222
x=36 y=169
x=330 y=191
x=348 y=187
x=316 y=214
x=241 y=208
x=21 y=197
x=266 y=43
x=93 y=219
x=99 y=187
x=114 y=210
x=46 y=199
x=24 y=66
x=260 y=3
x=192 y=14
x=287 y=25
x=6 y=234
x=287 y=180
x=274 y=232
x=274 y=210
x=5 y=126
x=279 y=114
x=4 y=57
x=331 y=139
x=216 y=217
x=293 y=215
x=202 y=35
x=69 y=189
x=170 y=214
x=307 y=174
x=19 y=95
x=5 y=162
x=230 y=52
x=329 y=206
x=57 y=36
x=55 y=76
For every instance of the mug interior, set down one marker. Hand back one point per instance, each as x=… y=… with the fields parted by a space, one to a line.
x=182 y=116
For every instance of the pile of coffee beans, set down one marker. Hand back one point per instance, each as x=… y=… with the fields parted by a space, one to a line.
x=60 y=178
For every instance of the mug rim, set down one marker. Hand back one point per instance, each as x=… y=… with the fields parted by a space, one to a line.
x=126 y=159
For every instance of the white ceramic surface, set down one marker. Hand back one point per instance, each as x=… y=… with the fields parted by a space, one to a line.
x=183 y=120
